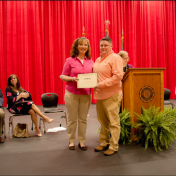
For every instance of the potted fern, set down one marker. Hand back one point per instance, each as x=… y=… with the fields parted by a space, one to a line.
x=156 y=128
x=125 y=124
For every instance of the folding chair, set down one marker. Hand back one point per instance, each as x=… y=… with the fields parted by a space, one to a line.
x=49 y=101
x=11 y=121
x=15 y=115
x=167 y=93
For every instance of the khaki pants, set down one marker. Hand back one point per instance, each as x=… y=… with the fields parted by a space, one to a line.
x=1 y=120
x=108 y=116
x=77 y=109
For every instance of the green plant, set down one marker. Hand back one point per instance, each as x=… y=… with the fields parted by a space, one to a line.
x=125 y=124
x=156 y=128
x=125 y=127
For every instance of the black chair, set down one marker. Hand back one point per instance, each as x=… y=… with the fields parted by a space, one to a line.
x=15 y=115
x=167 y=93
x=49 y=101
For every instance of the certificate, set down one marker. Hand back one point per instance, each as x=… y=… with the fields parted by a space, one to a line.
x=88 y=80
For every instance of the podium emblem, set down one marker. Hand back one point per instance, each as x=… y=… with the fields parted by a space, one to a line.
x=146 y=94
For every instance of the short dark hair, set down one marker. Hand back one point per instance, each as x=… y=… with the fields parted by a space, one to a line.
x=106 y=39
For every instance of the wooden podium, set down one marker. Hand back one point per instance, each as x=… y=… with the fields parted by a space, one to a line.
x=142 y=87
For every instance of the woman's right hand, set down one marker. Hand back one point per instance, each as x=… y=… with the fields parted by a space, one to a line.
x=74 y=79
x=68 y=78
x=24 y=95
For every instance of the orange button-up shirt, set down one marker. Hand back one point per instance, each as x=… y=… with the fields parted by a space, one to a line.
x=109 y=71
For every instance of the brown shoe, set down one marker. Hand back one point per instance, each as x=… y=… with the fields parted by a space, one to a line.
x=72 y=147
x=83 y=147
x=101 y=148
x=109 y=152
x=1 y=140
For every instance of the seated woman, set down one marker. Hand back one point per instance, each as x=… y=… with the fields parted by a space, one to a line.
x=15 y=93
x=125 y=58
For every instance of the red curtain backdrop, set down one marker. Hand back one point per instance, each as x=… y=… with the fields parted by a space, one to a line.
x=36 y=38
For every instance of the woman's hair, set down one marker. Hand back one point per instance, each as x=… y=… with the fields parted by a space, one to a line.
x=10 y=85
x=74 y=50
x=122 y=53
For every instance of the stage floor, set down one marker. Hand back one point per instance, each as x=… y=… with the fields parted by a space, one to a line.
x=49 y=154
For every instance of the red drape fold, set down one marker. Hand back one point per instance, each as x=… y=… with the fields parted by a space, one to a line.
x=36 y=38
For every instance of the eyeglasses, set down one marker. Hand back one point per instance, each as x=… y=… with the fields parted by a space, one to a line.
x=127 y=58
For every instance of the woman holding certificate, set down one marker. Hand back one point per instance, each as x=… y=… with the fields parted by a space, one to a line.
x=77 y=100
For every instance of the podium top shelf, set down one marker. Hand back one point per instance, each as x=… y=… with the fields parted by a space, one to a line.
x=146 y=69
x=142 y=71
